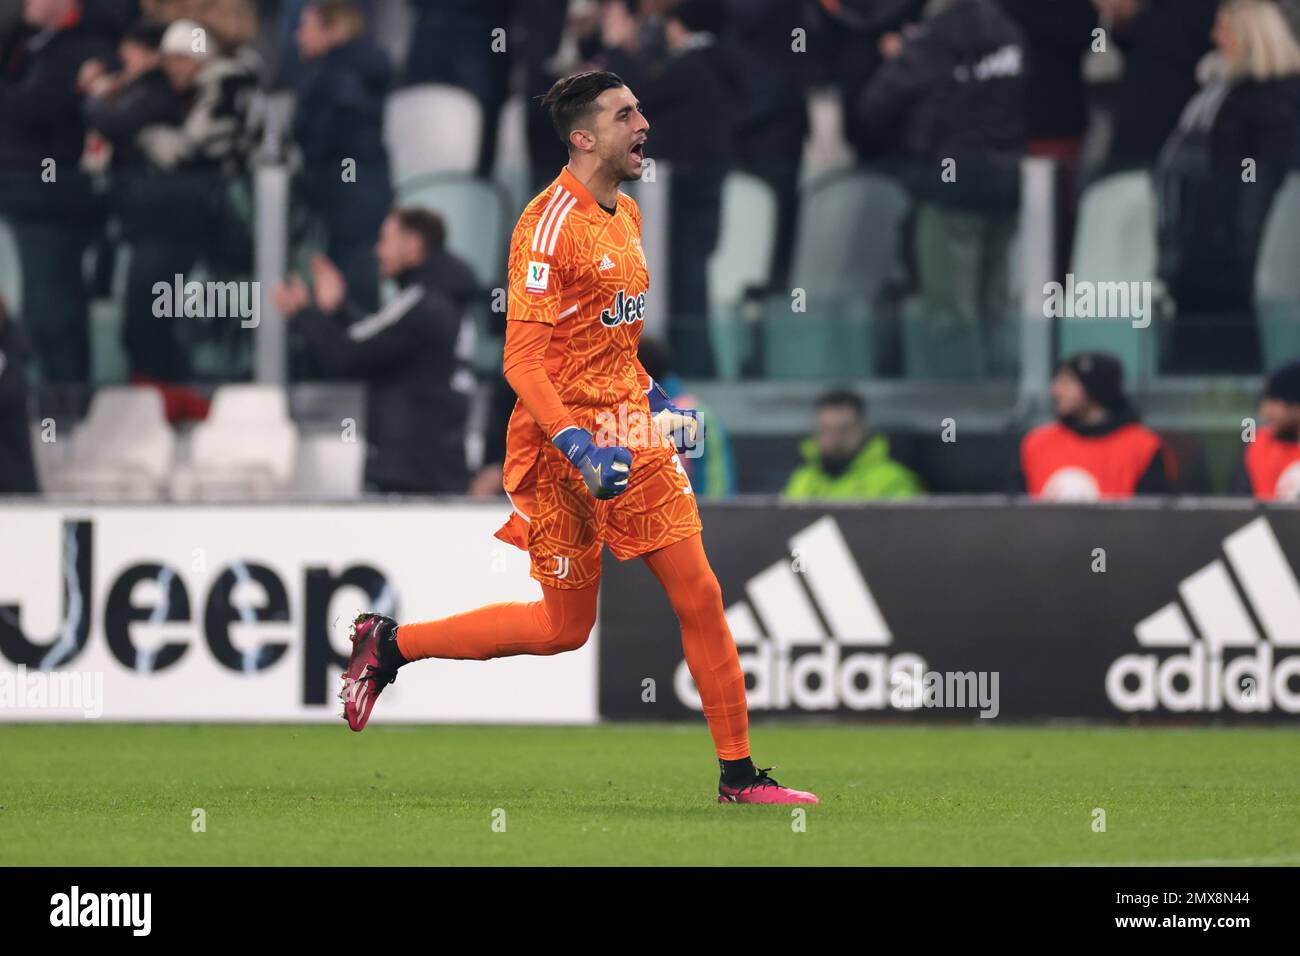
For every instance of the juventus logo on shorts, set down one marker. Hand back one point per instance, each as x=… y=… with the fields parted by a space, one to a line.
x=561 y=567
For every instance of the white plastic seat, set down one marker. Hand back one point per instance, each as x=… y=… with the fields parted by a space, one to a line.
x=11 y=273
x=1277 y=280
x=1115 y=241
x=247 y=447
x=431 y=128
x=473 y=211
x=123 y=449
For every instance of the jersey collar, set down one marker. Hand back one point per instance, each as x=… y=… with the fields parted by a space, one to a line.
x=586 y=201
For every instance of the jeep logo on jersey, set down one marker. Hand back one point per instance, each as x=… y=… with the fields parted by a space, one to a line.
x=626 y=309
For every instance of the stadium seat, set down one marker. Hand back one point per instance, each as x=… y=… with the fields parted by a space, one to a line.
x=1115 y=241
x=846 y=249
x=474 y=211
x=11 y=272
x=247 y=448
x=416 y=121
x=511 y=169
x=1277 y=280
x=825 y=149
x=741 y=261
x=122 y=450
x=330 y=469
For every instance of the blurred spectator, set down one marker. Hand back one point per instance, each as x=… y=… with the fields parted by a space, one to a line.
x=288 y=63
x=957 y=82
x=178 y=210
x=853 y=34
x=43 y=193
x=771 y=115
x=11 y=20
x=452 y=42
x=1058 y=35
x=112 y=18
x=1271 y=464
x=542 y=23
x=17 y=469
x=119 y=105
x=1161 y=42
x=845 y=459
x=413 y=354
x=231 y=23
x=674 y=67
x=1216 y=181
x=1096 y=449
x=340 y=117
x=713 y=471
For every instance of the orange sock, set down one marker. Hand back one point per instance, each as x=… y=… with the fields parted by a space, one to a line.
x=683 y=570
x=561 y=621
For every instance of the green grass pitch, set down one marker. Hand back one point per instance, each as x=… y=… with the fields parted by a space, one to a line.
x=99 y=794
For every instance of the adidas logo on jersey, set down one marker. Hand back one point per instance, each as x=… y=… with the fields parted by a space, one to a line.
x=606 y=263
x=1230 y=664
x=791 y=659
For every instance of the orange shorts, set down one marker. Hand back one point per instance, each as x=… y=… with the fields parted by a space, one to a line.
x=563 y=528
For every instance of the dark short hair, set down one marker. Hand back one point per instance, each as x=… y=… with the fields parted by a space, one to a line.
x=332 y=12
x=843 y=398
x=425 y=223
x=569 y=100
x=146 y=33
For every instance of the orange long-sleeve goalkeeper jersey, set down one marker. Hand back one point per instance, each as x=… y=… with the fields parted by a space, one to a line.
x=580 y=271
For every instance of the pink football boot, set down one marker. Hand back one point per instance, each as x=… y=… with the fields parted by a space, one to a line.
x=365 y=677
x=763 y=789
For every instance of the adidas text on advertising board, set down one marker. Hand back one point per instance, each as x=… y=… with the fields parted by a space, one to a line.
x=793 y=661
x=74 y=908
x=1225 y=662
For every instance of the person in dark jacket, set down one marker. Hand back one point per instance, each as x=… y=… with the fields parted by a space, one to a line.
x=177 y=210
x=1215 y=184
x=413 y=353
x=17 y=469
x=955 y=85
x=118 y=106
x=1096 y=449
x=1270 y=466
x=771 y=119
x=1161 y=42
x=1058 y=35
x=452 y=42
x=679 y=75
x=43 y=194
x=339 y=126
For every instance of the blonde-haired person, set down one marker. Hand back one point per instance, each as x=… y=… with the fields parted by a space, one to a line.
x=1216 y=180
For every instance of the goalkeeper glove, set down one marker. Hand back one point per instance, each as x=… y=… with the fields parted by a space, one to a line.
x=605 y=470
x=682 y=426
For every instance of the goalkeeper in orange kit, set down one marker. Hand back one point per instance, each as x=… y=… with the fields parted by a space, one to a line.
x=592 y=447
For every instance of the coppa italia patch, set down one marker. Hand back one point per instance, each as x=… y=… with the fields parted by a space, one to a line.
x=539 y=273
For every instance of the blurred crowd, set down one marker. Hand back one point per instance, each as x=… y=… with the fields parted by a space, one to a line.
x=139 y=122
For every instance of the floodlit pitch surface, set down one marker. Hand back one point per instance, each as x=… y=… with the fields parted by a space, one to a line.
x=100 y=794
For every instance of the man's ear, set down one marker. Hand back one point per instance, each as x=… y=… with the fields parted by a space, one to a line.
x=581 y=139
